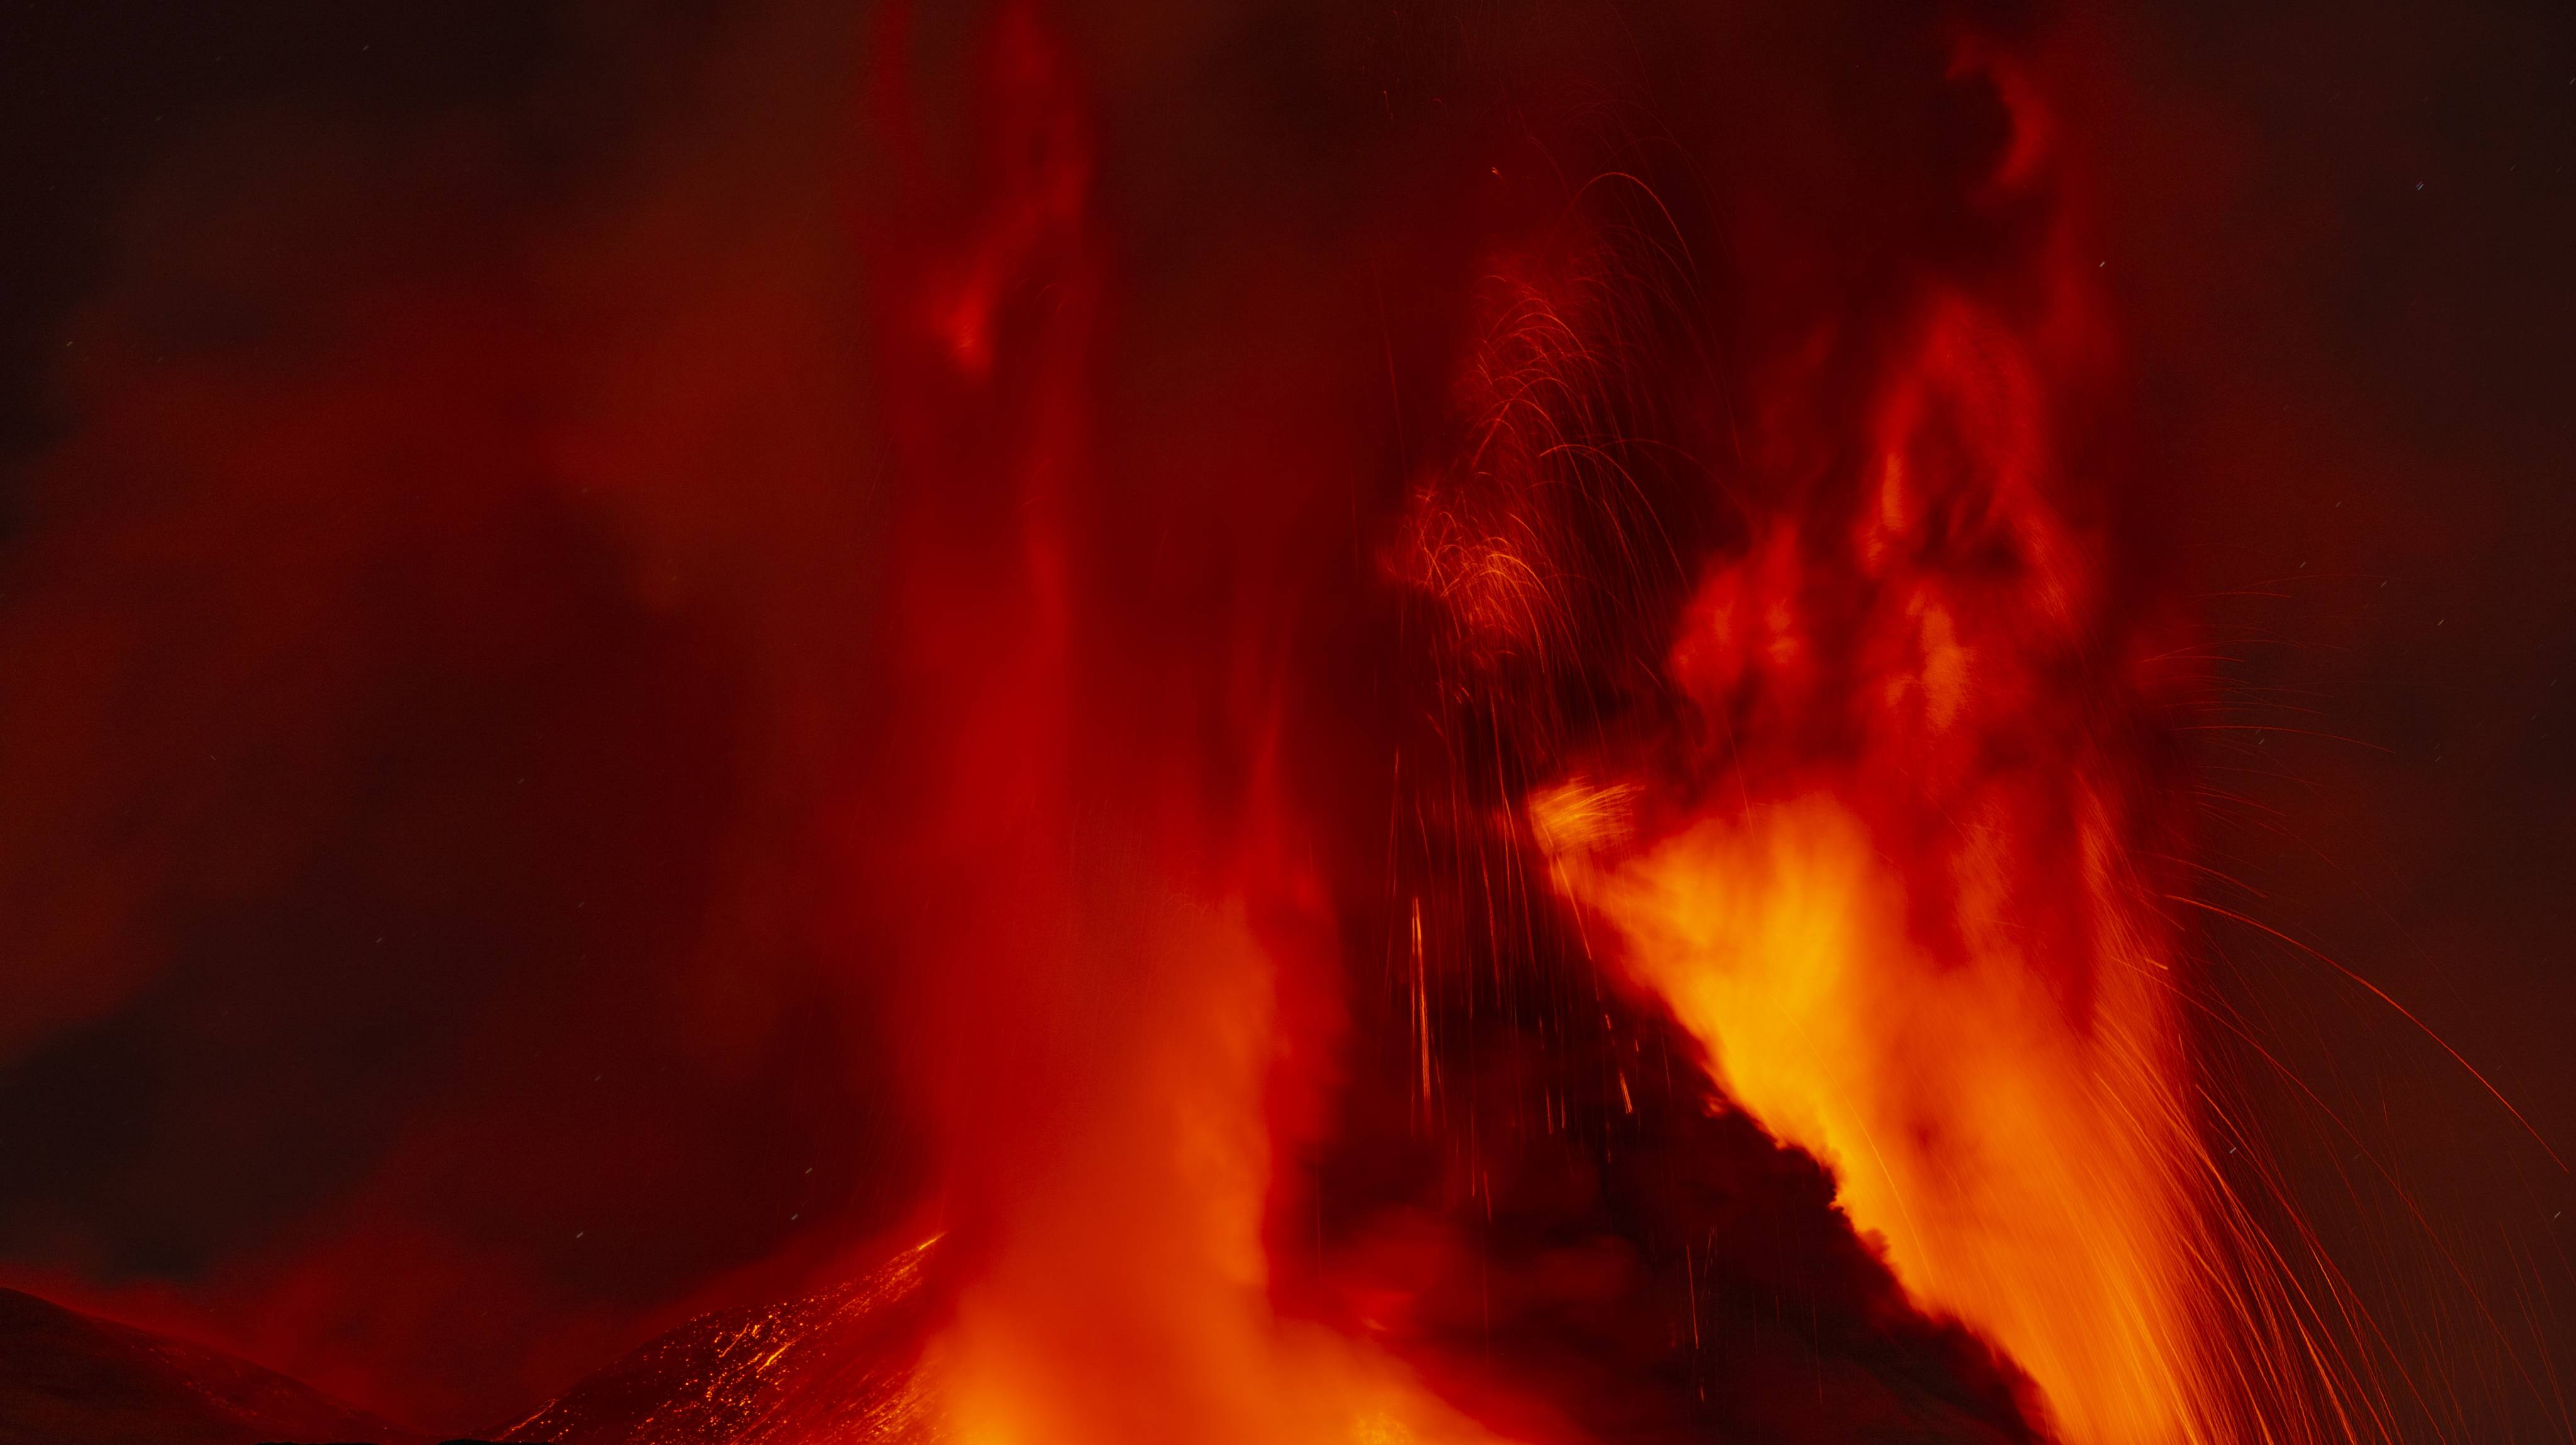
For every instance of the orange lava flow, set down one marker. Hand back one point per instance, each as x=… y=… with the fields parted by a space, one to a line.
x=1895 y=874
x=1899 y=873
x=1908 y=922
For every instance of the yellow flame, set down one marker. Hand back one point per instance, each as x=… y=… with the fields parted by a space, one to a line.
x=2015 y=1151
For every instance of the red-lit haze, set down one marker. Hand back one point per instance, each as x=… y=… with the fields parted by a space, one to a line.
x=1461 y=725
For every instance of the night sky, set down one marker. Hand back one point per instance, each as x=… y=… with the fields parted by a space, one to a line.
x=425 y=968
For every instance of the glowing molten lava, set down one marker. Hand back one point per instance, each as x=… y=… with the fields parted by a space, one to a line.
x=1884 y=857
x=1908 y=926
x=1898 y=861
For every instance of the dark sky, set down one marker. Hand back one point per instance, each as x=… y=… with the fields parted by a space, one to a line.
x=537 y=811
x=390 y=877
x=2349 y=237
x=2342 y=235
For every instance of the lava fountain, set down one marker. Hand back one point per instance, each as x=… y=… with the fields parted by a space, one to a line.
x=1904 y=902
x=1452 y=723
x=1880 y=814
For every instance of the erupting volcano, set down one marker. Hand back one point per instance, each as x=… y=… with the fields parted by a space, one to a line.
x=1021 y=724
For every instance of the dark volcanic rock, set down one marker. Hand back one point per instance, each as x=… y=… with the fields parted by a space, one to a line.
x=69 y=1379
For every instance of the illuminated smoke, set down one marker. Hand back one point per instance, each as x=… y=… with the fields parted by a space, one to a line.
x=1485 y=765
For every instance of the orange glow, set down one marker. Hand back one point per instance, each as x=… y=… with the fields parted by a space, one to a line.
x=2017 y=1159
x=1911 y=934
x=1896 y=896
x=1128 y=1299
x=1428 y=724
x=1097 y=1026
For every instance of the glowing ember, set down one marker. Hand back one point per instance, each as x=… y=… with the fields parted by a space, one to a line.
x=1908 y=919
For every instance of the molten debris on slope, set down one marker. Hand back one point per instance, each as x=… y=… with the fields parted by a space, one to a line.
x=839 y=1365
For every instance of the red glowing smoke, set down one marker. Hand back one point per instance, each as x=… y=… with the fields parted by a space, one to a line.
x=1438 y=729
